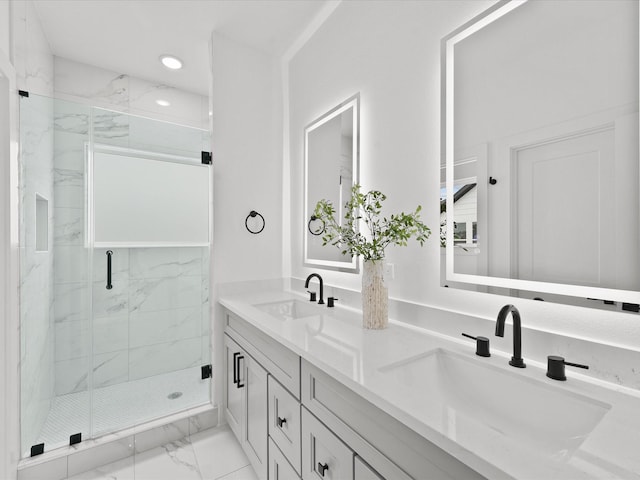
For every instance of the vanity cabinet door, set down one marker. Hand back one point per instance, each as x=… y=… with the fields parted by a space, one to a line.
x=362 y=471
x=324 y=456
x=284 y=422
x=245 y=404
x=254 y=442
x=279 y=467
x=233 y=395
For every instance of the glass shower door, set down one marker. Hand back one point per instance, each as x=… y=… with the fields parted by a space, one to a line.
x=54 y=295
x=150 y=208
x=113 y=334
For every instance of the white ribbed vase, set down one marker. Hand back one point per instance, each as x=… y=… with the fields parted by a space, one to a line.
x=375 y=295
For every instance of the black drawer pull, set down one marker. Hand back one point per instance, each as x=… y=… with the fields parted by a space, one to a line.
x=322 y=468
x=235 y=368
x=239 y=385
x=281 y=421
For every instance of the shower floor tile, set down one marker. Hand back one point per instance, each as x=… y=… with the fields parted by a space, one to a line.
x=122 y=406
x=186 y=459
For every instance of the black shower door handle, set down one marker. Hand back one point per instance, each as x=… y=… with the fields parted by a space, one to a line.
x=109 y=284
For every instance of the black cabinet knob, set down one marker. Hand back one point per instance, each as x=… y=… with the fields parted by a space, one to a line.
x=281 y=421
x=322 y=468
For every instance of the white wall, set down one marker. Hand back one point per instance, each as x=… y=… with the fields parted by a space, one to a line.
x=390 y=53
x=247 y=159
x=5 y=28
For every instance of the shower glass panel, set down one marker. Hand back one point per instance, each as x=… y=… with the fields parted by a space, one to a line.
x=54 y=295
x=151 y=329
x=96 y=360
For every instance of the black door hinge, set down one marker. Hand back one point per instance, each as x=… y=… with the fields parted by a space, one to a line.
x=75 y=438
x=631 y=307
x=206 y=371
x=23 y=93
x=37 y=449
x=206 y=158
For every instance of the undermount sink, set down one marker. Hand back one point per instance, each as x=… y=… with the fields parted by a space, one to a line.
x=290 y=309
x=463 y=397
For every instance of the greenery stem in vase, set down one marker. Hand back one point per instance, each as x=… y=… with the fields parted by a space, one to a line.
x=397 y=229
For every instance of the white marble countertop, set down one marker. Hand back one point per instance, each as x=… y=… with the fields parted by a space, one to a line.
x=335 y=342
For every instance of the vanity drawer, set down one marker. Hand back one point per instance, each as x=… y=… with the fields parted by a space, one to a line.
x=279 y=468
x=362 y=471
x=277 y=359
x=324 y=456
x=284 y=422
x=392 y=449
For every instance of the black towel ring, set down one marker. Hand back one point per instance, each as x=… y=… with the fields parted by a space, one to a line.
x=254 y=214
x=315 y=232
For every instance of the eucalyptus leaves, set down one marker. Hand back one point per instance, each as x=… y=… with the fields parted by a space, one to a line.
x=396 y=230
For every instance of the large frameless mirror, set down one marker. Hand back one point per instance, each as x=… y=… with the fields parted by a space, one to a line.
x=331 y=146
x=540 y=169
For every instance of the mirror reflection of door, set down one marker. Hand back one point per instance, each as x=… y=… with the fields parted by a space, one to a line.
x=551 y=89
x=572 y=222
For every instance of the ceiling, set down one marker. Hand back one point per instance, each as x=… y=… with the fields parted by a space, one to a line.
x=128 y=36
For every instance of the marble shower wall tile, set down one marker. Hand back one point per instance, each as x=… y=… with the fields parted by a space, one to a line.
x=71 y=264
x=150 y=328
x=114 y=302
x=72 y=375
x=110 y=334
x=165 y=262
x=71 y=301
x=103 y=87
x=68 y=226
x=111 y=128
x=71 y=122
x=164 y=357
x=72 y=340
x=156 y=294
x=36 y=291
x=72 y=307
x=32 y=56
x=110 y=368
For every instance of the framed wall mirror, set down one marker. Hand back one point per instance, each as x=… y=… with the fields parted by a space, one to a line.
x=540 y=177
x=331 y=168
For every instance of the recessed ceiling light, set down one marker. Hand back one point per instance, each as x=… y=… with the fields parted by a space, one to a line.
x=162 y=103
x=171 y=62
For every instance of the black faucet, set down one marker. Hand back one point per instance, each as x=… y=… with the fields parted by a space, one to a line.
x=306 y=285
x=516 y=360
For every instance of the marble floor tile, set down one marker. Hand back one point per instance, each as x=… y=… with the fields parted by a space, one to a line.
x=212 y=454
x=174 y=460
x=119 y=470
x=218 y=452
x=245 y=473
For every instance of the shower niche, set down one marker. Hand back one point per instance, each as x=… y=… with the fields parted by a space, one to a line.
x=96 y=360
